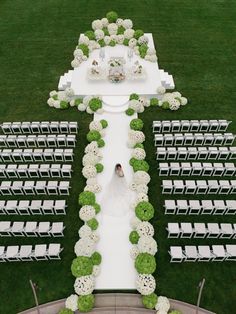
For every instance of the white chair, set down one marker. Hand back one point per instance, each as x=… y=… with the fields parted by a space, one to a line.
x=200 y=230
x=231 y=252
x=171 y=153
x=33 y=171
x=52 y=141
x=55 y=170
x=204 y=125
x=186 y=169
x=31 y=229
x=2 y=208
x=170 y=207
x=57 y=229
x=168 y=139
x=66 y=171
x=16 y=127
x=174 y=169
x=191 y=187
x=189 y=139
x=54 y=127
x=229 y=139
x=214 y=125
x=54 y=251
x=178 y=186
x=166 y=126
x=163 y=169
x=52 y=187
x=58 y=155
x=47 y=207
x=17 y=229
x=28 y=155
x=227 y=231
x=43 y=229
x=213 y=153
x=175 y=126
x=35 y=207
x=161 y=153
x=2 y=254
x=195 y=207
x=182 y=153
x=17 y=155
x=28 y=188
x=35 y=127
x=190 y=251
x=207 y=169
x=159 y=139
x=3 y=141
x=205 y=254
x=44 y=170
x=31 y=141
x=64 y=187
x=6 y=155
x=6 y=128
x=202 y=187
x=5 y=228
x=38 y=155
x=202 y=153
x=207 y=207
x=194 y=125
x=231 y=207
x=182 y=207
x=11 y=208
x=73 y=127
x=223 y=153
x=173 y=230
x=177 y=255
x=219 y=252
x=218 y=169
x=167 y=186
x=198 y=140
x=219 y=207
x=192 y=153
x=5 y=188
x=185 y=125
x=230 y=169
x=233 y=186
x=213 y=230
x=60 y=207
x=12 y=253
x=25 y=127
x=178 y=139
x=21 y=141
x=186 y=230
x=48 y=154
x=40 y=252
x=42 y=141
x=44 y=127
x=11 y=171
x=232 y=152
x=197 y=168
x=225 y=187
x=3 y=171
x=25 y=253
x=17 y=188
x=156 y=126
x=219 y=139
x=23 y=207
x=208 y=139
x=22 y=171
x=213 y=186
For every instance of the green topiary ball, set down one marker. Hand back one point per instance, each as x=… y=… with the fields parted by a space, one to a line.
x=65 y=311
x=93 y=136
x=90 y=35
x=154 y=102
x=136 y=124
x=96 y=258
x=145 y=263
x=150 y=300
x=139 y=145
x=134 y=96
x=120 y=30
x=112 y=16
x=81 y=266
x=86 y=303
x=140 y=165
x=87 y=198
x=143 y=50
x=101 y=143
x=93 y=223
x=64 y=105
x=134 y=237
x=102 y=43
x=165 y=105
x=84 y=48
x=144 y=211
x=97 y=208
x=132 y=161
x=126 y=42
x=129 y=112
x=95 y=104
x=112 y=43
x=99 y=167
x=138 y=33
x=104 y=123
x=78 y=101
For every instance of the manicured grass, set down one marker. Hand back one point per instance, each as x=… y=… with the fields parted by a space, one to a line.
x=195 y=42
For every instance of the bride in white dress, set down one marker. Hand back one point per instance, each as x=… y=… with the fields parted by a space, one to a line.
x=118 y=197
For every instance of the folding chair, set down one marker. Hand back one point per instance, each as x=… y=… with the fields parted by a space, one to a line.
x=177 y=255
x=17 y=155
x=170 y=207
x=231 y=207
x=230 y=169
x=213 y=187
x=27 y=155
x=218 y=169
x=167 y=187
x=174 y=169
x=171 y=153
x=40 y=188
x=223 y=125
x=11 y=207
x=178 y=186
x=200 y=230
x=17 y=229
x=214 y=126
x=192 y=153
x=28 y=188
x=3 y=171
x=25 y=253
x=156 y=126
x=54 y=127
x=35 y=127
x=175 y=126
x=164 y=169
x=232 y=152
x=229 y=139
x=16 y=127
x=178 y=139
x=231 y=252
x=208 y=139
x=159 y=139
x=52 y=187
x=22 y=171
x=186 y=230
x=47 y=207
x=198 y=139
x=31 y=229
x=44 y=127
x=204 y=125
x=21 y=141
x=202 y=153
x=62 y=140
x=35 y=207
x=51 y=141
x=191 y=187
x=6 y=155
x=31 y=141
x=168 y=139
x=40 y=252
x=25 y=127
x=33 y=171
x=12 y=253
x=190 y=251
x=205 y=254
x=54 y=251
x=233 y=186
x=182 y=153
x=219 y=139
x=161 y=154
x=189 y=139
x=213 y=230
x=173 y=230
x=202 y=187
x=57 y=229
x=55 y=171
x=225 y=187
x=44 y=171
x=38 y=155
x=6 y=128
x=23 y=207
x=60 y=207
x=48 y=155
x=166 y=126
x=227 y=231
x=186 y=169
x=195 y=207
x=5 y=228
x=182 y=207
x=58 y=155
x=194 y=126
x=73 y=127
x=213 y=153
x=43 y=229
x=5 y=188
x=197 y=168
x=207 y=207
x=11 y=141
x=185 y=125
x=66 y=171
x=64 y=187
x=219 y=252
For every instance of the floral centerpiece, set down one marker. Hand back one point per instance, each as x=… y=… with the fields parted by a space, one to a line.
x=116 y=70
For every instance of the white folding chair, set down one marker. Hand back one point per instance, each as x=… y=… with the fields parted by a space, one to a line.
x=213 y=153
x=42 y=141
x=213 y=187
x=219 y=139
x=62 y=140
x=168 y=139
x=12 y=253
x=66 y=171
x=177 y=255
x=186 y=230
x=230 y=169
x=231 y=252
x=192 y=153
x=218 y=169
x=60 y=207
x=28 y=188
x=54 y=251
x=16 y=127
x=164 y=169
x=35 y=127
x=11 y=208
x=233 y=186
x=38 y=155
x=225 y=187
x=43 y=229
x=64 y=187
x=31 y=229
x=202 y=187
x=5 y=188
x=58 y=155
x=207 y=207
x=202 y=153
x=17 y=188
x=182 y=207
x=190 y=251
x=227 y=231
x=208 y=169
x=174 y=169
x=6 y=128
x=17 y=229
x=204 y=125
x=31 y=141
x=6 y=155
x=186 y=169
x=5 y=228
x=21 y=141
x=175 y=126
x=178 y=186
x=171 y=153
x=223 y=125
x=17 y=155
x=213 y=230
x=52 y=187
x=231 y=207
x=214 y=126
x=23 y=207
x=229 y=139
x=48 y=155
x=22 y=171
x=185 y=125
x=55 y=170
x=197 y=168
x=200 y=230
x=57 y=229
x=178 y=139
x=44 y=127
x=189 y=139
x=195 y=207
x=44 y=170
x=25 y=253
x=35 y=207
x=232 y=152
x=73 y=127
x=25 y=127
x=194 y=125
x=208 y=139
x=219 y=252
x=191 y=187
x=159 y=139
x=3 y=171
x=170 y=207
x=166 y=126
x=167 y=186
x=2 y=254
x=2 y=208
x=54 y=127
x=161 y=153
x=219 y=207
x=198 y=139
x=11 y=171
x=156 y=126
x=40 y=252
x=223 y=153
x=182 y=153
x=173 y=230
x=40 y=188
x=48 y=207
x=33 y=171
x=204 y=253
x=28 y=155
x=51 y=141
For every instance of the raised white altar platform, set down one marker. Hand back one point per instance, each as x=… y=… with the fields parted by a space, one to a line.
x=78 y=79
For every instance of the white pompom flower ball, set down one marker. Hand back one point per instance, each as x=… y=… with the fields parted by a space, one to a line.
x=72 y=302
x=128 y=33
x=141 y=177
x=143 y=40
x=53 y=93
x=84 y=285
x=107 y=40
x=85 y=231
x=99 y=34
x=132 y=42
x=85 y=247
x=134 y=252
x=184 y=101
x=176 y=94
x=120 y=39
x=97 y=24
x=75 y=63
x=139 y=153
x=161 y=90
x=78 y=53
x=95 y=126
x=119 y=22
x=105 y=22
x=174 y=104
x=81 y=107
x=112 y=29
x=147 y=244
x=127 y=24
x=87 y=212
x=163 y=304
x=144 y=228
x=83 y=40
x=50 y=102
x=89 y=171
x=145 y=284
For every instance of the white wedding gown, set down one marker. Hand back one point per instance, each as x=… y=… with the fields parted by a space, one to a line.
x=117 y=198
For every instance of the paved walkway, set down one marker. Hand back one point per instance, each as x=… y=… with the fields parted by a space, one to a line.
x=117 y=303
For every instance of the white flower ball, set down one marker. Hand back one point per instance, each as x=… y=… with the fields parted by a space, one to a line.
x=84 y=285
x=81 y=107
x=83 y=40
x=146 y=284
x=92 y=147
x=127 y=24
x=163 y=304
x=62 y=96
x=120 y=39
x=142 y=188
x=75 y=63
x=95 y=188
x=97 y=24
x=78 y=53
x=132 y=42
x=176 y=94
x=174 y=104
x=50 y=102
x=84 y=247
x=105 y=22
x=143 y=40
x=85 y=231
x=136 y=105
x=87 y=212
x=141 y=177
x=72 y=302
x=161 y=90
x=99 y=34
x=119 y=22
x=96 y=270
x=95 y=126
x=147 y=244
x=135 y=222
x=114 y=38
x=94 y=236
x=53 y=93
x=89 y=172
x=184 y=101
x=128 y=33
x=69 y=92
x=91 y=181
x=144 y=228
x=112 y=29
x=142 y=197
x=93 y=45
x=56 y=104
x=136 y=136
x=139 y=153
x=107 y=40
x=89 y=110
x=90 y=159
x=134 y=252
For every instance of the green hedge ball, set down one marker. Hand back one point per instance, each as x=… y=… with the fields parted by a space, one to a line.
x=112 y=16
x=145 y=263
x=99 y=167
x=150 y=300
x=87 y=198
x=96 y=258
x=134 y=237
x=144 y=211
x=136 y=124
x=65 y=311
x=86 y=303
x=82 y=266
x=93 y=223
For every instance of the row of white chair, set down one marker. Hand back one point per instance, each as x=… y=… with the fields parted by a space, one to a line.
x=203 y=207
x=34 y=141
x=199 y=187
x=31 y=229
x=13 y=171
x=167 y=126
x=34 y=188
x=15 y=253
x=197 y=169
x=201 y=230
x=36 y=155
x=34 y=207
x=194 y=139
x=39 y=127
x=196 y=153
x=203 y=253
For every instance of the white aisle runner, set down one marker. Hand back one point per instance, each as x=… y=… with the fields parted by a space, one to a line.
x=117 y=267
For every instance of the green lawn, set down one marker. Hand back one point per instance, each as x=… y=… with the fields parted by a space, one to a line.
x=195 y=42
